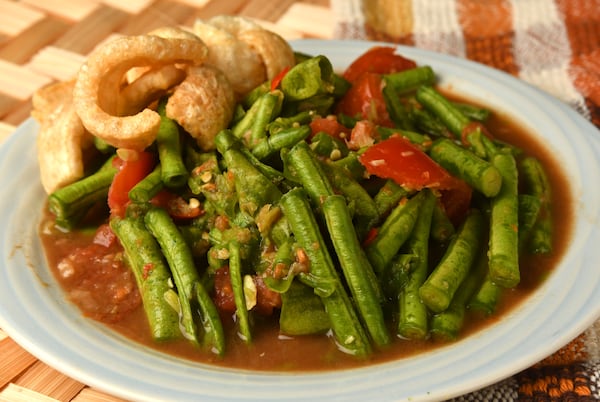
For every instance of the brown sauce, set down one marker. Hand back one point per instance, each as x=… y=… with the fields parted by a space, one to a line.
x=270 y=351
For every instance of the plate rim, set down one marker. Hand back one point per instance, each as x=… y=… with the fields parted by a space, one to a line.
x=124 y=391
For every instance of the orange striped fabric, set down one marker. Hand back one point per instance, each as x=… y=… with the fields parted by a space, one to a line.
x=552 y=44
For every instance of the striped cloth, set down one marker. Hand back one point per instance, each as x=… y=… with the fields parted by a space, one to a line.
x=551 y=44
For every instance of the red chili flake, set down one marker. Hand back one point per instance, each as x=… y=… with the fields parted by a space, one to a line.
x=371 y=235
x=147 y=270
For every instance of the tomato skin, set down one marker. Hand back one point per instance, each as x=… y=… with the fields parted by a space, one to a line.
x=378 y=59
x=131 y=172
x=398 y=159
x=223 y=297
x=330 y=126
x=365 y=100
x=266 y=299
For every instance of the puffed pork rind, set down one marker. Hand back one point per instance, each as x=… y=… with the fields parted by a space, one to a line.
x=99 y=82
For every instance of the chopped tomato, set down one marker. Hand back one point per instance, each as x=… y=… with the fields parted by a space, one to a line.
x=277 y=79
x=131 y=171
x=363 y=135
x=378 y=59
x=266 y=299
x=456 y=201
x=364 y=100
x=398 y=159
x=104 y=236
x=223 y=297
x=177 y=206
x=330 y=126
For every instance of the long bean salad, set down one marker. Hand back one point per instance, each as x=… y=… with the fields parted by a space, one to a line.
x=320 y=207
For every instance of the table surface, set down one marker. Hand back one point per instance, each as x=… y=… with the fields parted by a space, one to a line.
x=46 y=40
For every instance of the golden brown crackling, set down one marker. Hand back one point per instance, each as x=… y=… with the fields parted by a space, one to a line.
x=99 y=80
x=61 y=137
x=202 y=104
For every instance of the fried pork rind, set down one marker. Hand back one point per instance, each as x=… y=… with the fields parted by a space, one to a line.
x=247 y=53
x=148 y=87
x=240 y=64
x=61 y=137
x=202 y=104
x=98 y=85
x=275 y=52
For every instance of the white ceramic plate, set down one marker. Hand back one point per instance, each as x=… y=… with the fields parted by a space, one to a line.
x=34 y=313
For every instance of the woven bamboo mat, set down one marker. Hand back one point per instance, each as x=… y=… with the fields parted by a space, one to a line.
x=46 y=40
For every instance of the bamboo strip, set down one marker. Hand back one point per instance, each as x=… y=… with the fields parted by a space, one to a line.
x=315 y=21
x=83 y=36
x=195 y=3
x=13 y=360
x=267 y=10
x=219 y=7
x=56 y=63
x=46 y=380
x=7 y=103
x=16 y=17
x=16 y=393
x=36 y=36
x=162 y=13
x=18 y=114
x=73 y=10
x=284 y=32
x=19 y=82
x=93 y=395
x=129 y=6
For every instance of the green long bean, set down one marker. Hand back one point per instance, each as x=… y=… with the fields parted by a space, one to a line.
x=413 y=314
x=192 y=293
x=439 y=288
x=71 y=203
x=504 y=225
x=345 y=323
x=478 y=173
x=357 y=269
x=179 y=259
x=237 y=283
x=392 y=234
x=152 y=275
x=537 y=184
x=148 y=187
